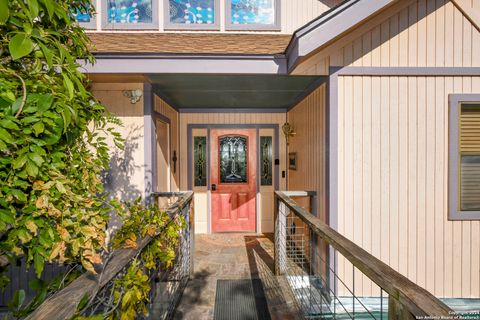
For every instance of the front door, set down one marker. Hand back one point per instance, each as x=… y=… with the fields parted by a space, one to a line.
x=233 y=179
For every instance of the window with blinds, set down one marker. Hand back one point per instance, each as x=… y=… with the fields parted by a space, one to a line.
x=469 y=163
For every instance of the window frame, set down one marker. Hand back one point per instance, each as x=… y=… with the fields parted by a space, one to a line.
x=154 y=25
x=229 y=26
x=455 y=104
x=167 y=25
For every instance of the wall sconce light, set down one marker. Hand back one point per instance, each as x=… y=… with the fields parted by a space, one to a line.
x=288 y=131
x=134 y=95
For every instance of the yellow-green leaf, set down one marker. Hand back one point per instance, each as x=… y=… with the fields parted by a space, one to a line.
x=32 y=227
x=6 y=136
x=20 y=161
x=4 y=11
x=24 y=236
x=60 y=187
x=33 y=6
x=68 y=83
x=88 y=266
x=20 y=46
x=38 y=263
x=38 y=128
x=32 y=169
x=19 y=195
x=9 y=124
x=7 y=216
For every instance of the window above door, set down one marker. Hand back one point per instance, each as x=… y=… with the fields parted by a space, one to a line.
x=252 y=15
x=192 y=14
x=198 y=15
x=85 y=19
x=130 y=14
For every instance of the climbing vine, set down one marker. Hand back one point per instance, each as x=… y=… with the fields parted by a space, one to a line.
x=53 y=134
x=131 y=288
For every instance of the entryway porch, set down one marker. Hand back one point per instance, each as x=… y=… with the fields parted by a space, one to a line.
x=292 y=275
x=237 y=256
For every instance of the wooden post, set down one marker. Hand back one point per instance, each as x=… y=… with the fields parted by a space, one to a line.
x=191 y=217
x=281 y=239
x=397 y=311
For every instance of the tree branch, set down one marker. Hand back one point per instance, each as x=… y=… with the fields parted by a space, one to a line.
x=24 y=89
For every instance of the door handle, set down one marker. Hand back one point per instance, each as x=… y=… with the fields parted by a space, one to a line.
x=214 y=187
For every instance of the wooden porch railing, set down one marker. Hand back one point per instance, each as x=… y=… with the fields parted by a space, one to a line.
x=298 y=237
x=63 y=304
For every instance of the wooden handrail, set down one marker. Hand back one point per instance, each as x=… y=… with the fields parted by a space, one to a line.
x=63 y=304
x=418 y=301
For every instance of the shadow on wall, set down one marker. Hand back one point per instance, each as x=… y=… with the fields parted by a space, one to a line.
x=120 y=180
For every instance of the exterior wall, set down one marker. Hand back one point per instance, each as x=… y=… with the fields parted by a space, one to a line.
x=393 y=146
x=423 y=33
x=126 y=177
x=202 y=194
x=308 y=120
x=294 y=14
x=171 y=114
x=393 y=181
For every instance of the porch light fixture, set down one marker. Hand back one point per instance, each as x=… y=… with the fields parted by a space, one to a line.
x=288 y=131
x=134 y=95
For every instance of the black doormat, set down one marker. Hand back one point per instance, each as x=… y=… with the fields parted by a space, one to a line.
x=240 y=300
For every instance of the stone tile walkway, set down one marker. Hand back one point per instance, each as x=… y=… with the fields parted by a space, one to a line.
x=233 y=256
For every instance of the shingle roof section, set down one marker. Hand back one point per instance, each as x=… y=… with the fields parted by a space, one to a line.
x=189 y=43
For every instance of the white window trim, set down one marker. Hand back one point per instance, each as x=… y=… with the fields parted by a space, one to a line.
x=184 y=26
x=454 y=212
x=229 y=26
x=154 y=25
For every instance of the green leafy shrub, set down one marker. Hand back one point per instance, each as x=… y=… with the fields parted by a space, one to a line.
x=131 y=289
x=52 y=137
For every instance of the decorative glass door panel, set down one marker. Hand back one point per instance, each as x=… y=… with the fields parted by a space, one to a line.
x=233 y=167
x=233 y=159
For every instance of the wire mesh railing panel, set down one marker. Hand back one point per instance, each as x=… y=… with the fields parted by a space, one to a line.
x=310 y=266
x=167 y=282
x=169 y=285
x=331 y=277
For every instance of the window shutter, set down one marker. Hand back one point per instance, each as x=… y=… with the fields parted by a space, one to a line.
x=470 y=129
x=470 y=157
x=470 y=183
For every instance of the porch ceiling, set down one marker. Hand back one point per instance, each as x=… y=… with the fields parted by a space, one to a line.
x=188 y=92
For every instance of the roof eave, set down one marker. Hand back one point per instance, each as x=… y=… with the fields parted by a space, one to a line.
x=322 y=31
x=133 y=63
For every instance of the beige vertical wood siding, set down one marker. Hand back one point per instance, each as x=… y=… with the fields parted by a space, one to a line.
x=423 y=33
x=392 y=182
x=166 y=110
x=201 y=207
x=295 y=14
x=126 y=178
x=308 y=121
x=393 y=146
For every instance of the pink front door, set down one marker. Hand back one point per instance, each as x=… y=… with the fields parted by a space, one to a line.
x=233 y=179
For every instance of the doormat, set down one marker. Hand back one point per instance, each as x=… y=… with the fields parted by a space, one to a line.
x=240 y=299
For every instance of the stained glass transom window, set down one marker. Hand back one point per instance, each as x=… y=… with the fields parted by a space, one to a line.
x=192 y=11
x=253 y=12
x=82 y=17
x=200 y=161
x=129 y=11
x=266 y=161
x=233 y=159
